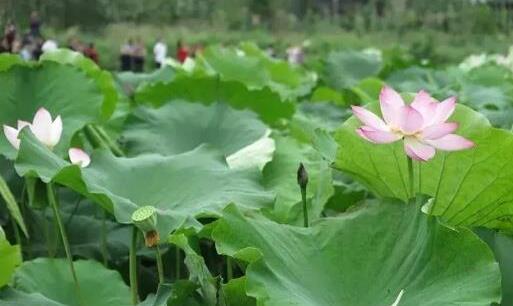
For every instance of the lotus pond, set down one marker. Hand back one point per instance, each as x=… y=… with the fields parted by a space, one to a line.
x=238 y=179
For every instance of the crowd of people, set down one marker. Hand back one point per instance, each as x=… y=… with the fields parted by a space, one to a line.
x=31 y=44
x=133 y=54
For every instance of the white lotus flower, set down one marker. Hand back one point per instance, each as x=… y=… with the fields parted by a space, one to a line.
x=12 y=134
x=79 y=157
x=48 y=132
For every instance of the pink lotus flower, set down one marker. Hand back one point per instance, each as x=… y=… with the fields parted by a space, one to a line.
x=421 y=125
x=79 y=157
x=48 y=132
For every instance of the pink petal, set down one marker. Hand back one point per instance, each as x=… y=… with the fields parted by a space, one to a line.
x=425 y=105
x=411 y=121
x=418 y=150
x=79 y=157
x=368 y=118
x=444 y=110
x=439 y=130
x=391 y=104
x=56 y=131
x=377 y=136
x=41 y=126
x=451 y=142
x=12 y=136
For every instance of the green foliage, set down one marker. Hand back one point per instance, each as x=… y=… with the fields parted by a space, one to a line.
x=10 y=258
x=197 y=183
x=47 y=282
x=179 y=126
x=392 y=244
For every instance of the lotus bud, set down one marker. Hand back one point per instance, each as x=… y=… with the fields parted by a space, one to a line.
x=145 y=218
x=302 y=176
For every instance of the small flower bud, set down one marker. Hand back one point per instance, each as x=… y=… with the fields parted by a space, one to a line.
x=302 y=176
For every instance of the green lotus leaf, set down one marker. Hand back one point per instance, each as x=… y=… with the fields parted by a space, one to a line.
x=256 y=69
x=207 y=90
x=103 y=79
x=7 y=60
x=48 y=282
x=10 y=258
x=280 y=176
x=344 y=69
x=365 y=257
x=180 y=126
x=62 y=89
x=132 y=82
x=181 y=187
x=471 y=187
x=502 y=247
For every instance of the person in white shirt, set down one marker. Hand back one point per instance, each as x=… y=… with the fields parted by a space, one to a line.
x=49 y=45
x=159 y=53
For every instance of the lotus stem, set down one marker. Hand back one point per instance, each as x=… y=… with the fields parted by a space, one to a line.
x=229 y=268
x=133 y=266
x=111 y=143
x=411 y=179
x=178 y=263
x=53 y=202
x=160 y=265
x=94 y=138
x=17 y=236
x=302 y=180
x=105 y=254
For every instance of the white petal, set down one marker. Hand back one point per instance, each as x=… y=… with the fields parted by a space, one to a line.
x=56 y=131
x=12 y=136
x=79 y=157
x=41 y=126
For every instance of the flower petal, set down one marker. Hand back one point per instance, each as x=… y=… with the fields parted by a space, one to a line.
x=22 y=124
x=451 y=142
x=391 y=104
x=425 y=105
x=418 y=150
x=56 y=131
x=439 y=130
x=377 y=136
x=444 y=110
x=79 y=157
x=12 y=136
x=411 y=120
x=41 y=126
x=369 y=118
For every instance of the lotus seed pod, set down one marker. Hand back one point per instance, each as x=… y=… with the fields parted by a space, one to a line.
x=145 y=218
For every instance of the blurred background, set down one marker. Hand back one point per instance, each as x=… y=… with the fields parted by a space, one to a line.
x=443 y=31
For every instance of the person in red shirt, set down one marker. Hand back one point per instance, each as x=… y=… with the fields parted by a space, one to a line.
x=91 y=53
x=182 y=52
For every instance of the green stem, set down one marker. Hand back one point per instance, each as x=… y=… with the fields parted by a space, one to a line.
x=410 y=177
x=17 y=235
x=94 y=138
x=53 y=202
x=229 y=268
x=111 y=143
x=104 y=239
x=178 y=264
x=133 y=266
x=305 y=208
x=160 y=266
